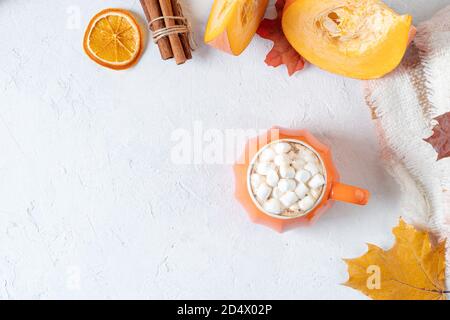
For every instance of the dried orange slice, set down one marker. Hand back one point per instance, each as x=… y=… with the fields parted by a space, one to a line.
x=113 y=39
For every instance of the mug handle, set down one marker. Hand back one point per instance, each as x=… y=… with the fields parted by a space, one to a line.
x=350 y=194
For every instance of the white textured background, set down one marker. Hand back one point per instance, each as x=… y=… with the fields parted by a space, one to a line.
x=90 y=204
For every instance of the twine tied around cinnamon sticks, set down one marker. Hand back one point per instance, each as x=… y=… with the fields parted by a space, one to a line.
x=167 y=31
x=171 y=30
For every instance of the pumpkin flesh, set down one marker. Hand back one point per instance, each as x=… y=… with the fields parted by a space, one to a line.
x=233 y=23
x=362 y=39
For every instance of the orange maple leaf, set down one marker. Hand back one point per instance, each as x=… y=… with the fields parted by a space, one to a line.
x=413 y=269
x=440 y=140
x=282 y=51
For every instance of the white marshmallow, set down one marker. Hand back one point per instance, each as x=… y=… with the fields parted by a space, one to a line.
x=317 y=181
x=311 y=167
x=293 y=155
x=276 y=193
x=287 y=172
x=273 y=206
x=286 y=185
x=289 y=199
x=263 y=192
x=303 y=176
x=277 y=170
x=281 y=160
x=282 y=147
x=306 y=203
x=301 y=190
x=315 y=193
x=264 y=167
x=272 y=178
x=267 y=155
x=309 y=156
x=256 y=180
x=298 y=164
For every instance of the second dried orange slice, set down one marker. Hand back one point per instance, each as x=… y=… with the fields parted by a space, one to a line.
x=113 y=39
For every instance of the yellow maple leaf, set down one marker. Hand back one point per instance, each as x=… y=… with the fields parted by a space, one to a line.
x=412 y=270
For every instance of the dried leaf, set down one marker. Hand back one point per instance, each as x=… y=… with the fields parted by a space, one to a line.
x=412 y=270
x=282 y=52
x=440 y=140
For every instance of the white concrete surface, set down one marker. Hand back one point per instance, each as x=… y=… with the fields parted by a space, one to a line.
x=91 y=205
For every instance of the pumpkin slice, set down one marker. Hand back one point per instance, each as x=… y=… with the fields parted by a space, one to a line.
x=362 y=39
x=233 y=23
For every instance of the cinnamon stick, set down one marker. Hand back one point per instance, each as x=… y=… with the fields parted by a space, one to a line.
x=152 y=11
x=174 y=39
x=183 y=36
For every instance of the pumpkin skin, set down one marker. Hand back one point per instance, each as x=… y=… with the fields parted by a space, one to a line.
x=233 y=23
x=362 y=39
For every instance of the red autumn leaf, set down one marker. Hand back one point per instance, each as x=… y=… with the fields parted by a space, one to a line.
x=440 y=140
x=282 y=52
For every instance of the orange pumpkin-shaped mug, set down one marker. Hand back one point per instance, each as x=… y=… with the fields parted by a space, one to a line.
x=332 y=191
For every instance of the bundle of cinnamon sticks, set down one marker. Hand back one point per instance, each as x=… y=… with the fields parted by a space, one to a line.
x=167 y=16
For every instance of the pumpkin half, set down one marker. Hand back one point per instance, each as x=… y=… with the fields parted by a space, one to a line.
x=233 y=23
x=363 y=39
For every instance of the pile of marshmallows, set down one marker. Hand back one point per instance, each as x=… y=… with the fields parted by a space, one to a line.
x=287 y=179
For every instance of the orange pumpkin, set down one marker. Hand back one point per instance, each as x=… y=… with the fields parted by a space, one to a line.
x=233 y=23
x=362 y=39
